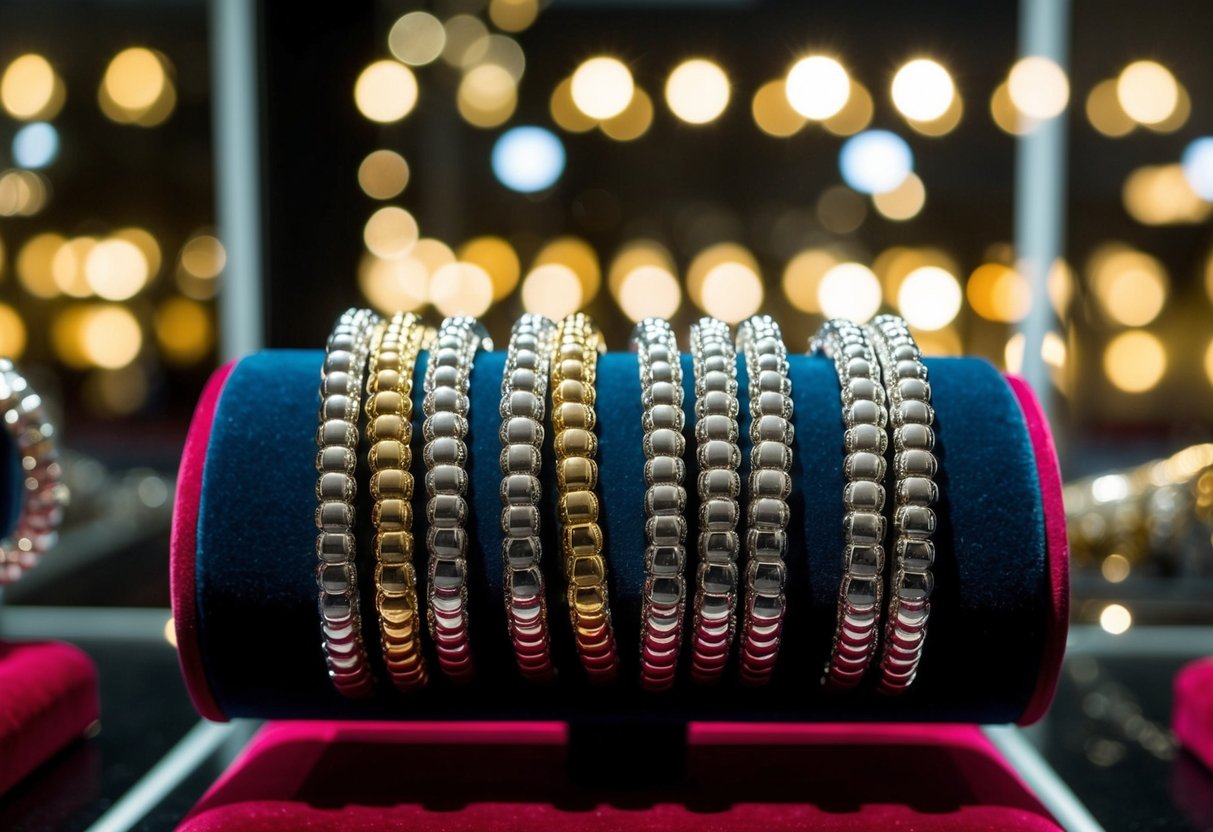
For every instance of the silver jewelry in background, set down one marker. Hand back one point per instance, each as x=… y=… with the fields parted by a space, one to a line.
x=864 y=445
x=665 y=503
x=914 y=466
x=770 y=483
x=336 y=487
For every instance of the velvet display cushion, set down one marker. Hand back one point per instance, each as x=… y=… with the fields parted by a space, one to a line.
x=995 y=627
x=1192 y=711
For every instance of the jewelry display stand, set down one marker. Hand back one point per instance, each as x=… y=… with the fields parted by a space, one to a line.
x=244 y=594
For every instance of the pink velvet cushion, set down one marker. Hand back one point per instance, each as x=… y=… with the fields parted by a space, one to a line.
x=1192 y=714
x=48 y=698
x=372 y=776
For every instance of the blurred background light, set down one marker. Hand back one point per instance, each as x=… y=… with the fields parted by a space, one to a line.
x=565 y=112
x=875 y=161
x=30 y=88
x=855 y=115
x=1209 y=362
x=649 y=291
x=552 y=290
x=944 y=124
x=1038 y=87
x=1008 y=117
x=732 y=291
x=1135 y=361
x=1115 y=619
x=466 y=41
x=841 y=210
x=579 y=257
x=504 y=52
x=36 y=145
x=137 y=88
x=923 y=90
x=903 y=202
x=1147 y=92
x=487 y=96
x=708 y=259
x=184 y=331
x=386 y=91
x=817 y=87
x=999 y=293
x=772 y=111
x=394 y=285
x=697 y=91
x=802 y=277
x=498 y=259
x=528 y=159
x=1105 y=113
x=1163 y=195
x=849 y=290
x=116 y=269
x=1198 y=166
x=461 y=289
x=929 y=298
x=390 y=232
x=513 y=15
x=417 y=38
x=383 y=174
x=634 y=255
x=633 y=122
x=602 y=87
x=1130 y=286
x=12 y=332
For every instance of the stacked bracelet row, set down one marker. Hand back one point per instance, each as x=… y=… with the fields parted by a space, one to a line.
x=731 y=605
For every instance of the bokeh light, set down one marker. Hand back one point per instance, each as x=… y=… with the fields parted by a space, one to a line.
x=875 y=161
x=504 y=52
x=817 y=87
x=1105 y=113
x=999 y=293
x=1147 y=92
x=466 y=41
x=461 y=289
x=602 y=87
x=109 y=336
x=1209 y=362
x=1115 y=568
x=1115 y=619
x=383 y=174
x=116 y=269
x=137 y=88
x=849 y=290
x=732 y=292
x=68 y=267
x=417 y=38
x=565 y=112
x=1163 y=195
x=802 y=277
x=634 y=121
x=23 y=193
x=942 y=125
x=711 y=257
x=1130 y=286
x=386 y=91
x=498 y=259
x=649 y=291
x=390 y=232
x=1008 y=117
x=634 y=255
x=487 y=96
x=30 y=89
x=402 y=284
x=552 y=290
x=697 y=91
x=433 y=254
x=36 y=145
x=772 y=111
x=143 y=240
x=513 y=15
x=1038 y=87
x=203 y=256
x=904 y=202
x=12 y=332
x=35 y=264
x=841 y=210
x=578 y=256
x=855 y=115
x=929 y=298
x=1198 y=166
x=528 y=159
x=923 y=90
x=184 y=331
x=1135 y=361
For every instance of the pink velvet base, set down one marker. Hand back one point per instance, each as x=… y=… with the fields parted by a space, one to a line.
x=1192 y=714
x=48 y=698
x=504 y=776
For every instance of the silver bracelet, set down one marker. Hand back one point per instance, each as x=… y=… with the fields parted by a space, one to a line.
x=714 y=617
x=341 y=383
x=914 y=466
x=447 y=375
x=665 y=503
x=770 y=483
x=523 y=392
x=41 y=492
x=864 y=444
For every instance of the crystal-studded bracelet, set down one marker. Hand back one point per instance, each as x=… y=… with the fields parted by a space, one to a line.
x=447 y=376
x=771 y=432
x=524 y=387
x=915 y=491
x=336 y=462
x=42 y=494
x=665 y=501
x=714 y=611
x=574 y=371
x=864 y=444
x=389 y=411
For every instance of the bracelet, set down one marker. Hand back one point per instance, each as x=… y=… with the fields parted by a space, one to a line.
x=43 y=495
x=714 y=617
x=389 y=411
x=523 y=392
x=665 y=502
x=905 y=379
x=447 y=375
x=336 y=462
x=771 y=432
x=865 y=443
x=574 y=365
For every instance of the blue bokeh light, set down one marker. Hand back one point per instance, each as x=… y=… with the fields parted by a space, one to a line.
x=35 y=145
x=1198 y=167
x=875 y=161
x=528 y=159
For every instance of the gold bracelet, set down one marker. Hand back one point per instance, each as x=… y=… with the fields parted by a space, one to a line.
x=574 y=366
x=389 y=410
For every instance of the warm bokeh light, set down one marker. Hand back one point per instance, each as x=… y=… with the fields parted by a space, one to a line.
x=649 y=291
x=772 y=111
x=137 y=88
x=30 y=89
x=579 y=257
x=505 y=52
x=1130 y=286
x=67 y=267
x=634 y=121
x=513 y=15
x=1147 y=91
x=697 y=91
x=400 y=285
x=552 y=290
x=23 y=193
x=1007 y=116
x=841 y=210
x=903 y=202
x=116 y=269
x=923 y=90
x=1135 y=361
x=602 y=87
x=565 y=111
x=1115 y=619
x=110 y=336
x=944 y=341
x=999 y=293
x=488 y=96
x=390 y=232
x=1162 y=195
x=849 y=290
x=34 y=264
x=1115 y=568
x=802 y=277
x=875 y=161
x=1038 y=87
x=855 y=115
x=184 y=331
x=143 y=240
x=417 y=38
x=498 y=259
x=383 y=174
x=1059 y=285
x=461 y=289
x=711 y=257
x=12 y=332
x=1053 y=350
x=929 y=298
x=203 y=256
x=817 y=87
x=1209 y=362
x=433 y=254
x=894 y=265
x=466 y=40
x=386 y=91
x=1179 y=115
x=634 y=255
x=732 y=292
x=1104 y=110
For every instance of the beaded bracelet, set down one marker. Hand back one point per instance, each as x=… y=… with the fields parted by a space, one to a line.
x=905 y=379
x=665 y=503
x=865 y=443
x=574 y=367
x=389 y=410
x=336 y=462
x=42 y=493
x=446 y=406
x=714 y=618
x=770 y=483
x=523 y=391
